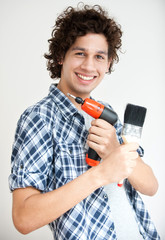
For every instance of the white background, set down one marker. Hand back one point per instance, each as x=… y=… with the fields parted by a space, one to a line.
x=25 y=27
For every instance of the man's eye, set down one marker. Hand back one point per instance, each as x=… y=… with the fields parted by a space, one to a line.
x=80 y=54
x=99 y=57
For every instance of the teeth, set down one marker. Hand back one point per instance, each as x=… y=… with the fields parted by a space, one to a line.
x=84 y=77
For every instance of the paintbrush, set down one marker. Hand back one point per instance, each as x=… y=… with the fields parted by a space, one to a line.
x=134 y=117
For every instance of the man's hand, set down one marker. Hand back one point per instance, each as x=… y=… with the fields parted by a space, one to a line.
x=102 y=137
x=119 y=164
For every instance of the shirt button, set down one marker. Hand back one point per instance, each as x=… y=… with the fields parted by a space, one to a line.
x=21 y=166
x=105 y=196
x=70 y=151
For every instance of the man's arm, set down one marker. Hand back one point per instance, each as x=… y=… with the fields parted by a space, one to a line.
x=32 y=209
x=102 y=138
x=143 y=179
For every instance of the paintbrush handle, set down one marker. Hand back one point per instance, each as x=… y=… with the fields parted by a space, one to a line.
x=134 y=117
x=120 y=184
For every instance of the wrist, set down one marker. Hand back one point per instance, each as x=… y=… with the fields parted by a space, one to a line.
x=95 y=177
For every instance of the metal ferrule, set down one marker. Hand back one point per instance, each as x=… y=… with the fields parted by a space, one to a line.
x=132 y=130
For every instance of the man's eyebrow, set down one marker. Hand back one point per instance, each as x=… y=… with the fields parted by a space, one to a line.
x=102 y=52
x=84 y=49
x=78 y=48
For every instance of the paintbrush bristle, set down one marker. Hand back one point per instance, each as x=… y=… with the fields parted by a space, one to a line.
x=134 y=115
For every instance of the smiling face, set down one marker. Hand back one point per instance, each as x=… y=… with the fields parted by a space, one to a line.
x=84 y=65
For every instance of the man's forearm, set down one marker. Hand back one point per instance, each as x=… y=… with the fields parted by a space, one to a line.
x=143 y=179
x=39 y=209
x=32 y=210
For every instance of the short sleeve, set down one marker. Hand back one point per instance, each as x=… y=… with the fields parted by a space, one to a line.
x=32 y=153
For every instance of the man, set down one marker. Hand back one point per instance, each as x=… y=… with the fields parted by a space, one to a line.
x=50 y=179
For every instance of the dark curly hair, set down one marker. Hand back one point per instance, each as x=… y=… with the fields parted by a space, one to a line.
x=73 y=23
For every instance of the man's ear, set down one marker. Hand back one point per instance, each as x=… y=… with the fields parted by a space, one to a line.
x=60 y=62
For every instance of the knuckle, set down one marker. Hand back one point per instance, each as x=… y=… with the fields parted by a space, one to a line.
x=91 y=129
x=109 y=134
x=90 y=144
x=95 y=122
x=89 y=137
x=135 y=155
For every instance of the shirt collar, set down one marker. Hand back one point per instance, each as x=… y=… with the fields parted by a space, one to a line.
x=66 y=107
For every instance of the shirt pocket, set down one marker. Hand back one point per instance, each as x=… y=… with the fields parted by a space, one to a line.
x=70 y=161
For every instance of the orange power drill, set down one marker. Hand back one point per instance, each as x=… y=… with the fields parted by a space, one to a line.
x=95 y=110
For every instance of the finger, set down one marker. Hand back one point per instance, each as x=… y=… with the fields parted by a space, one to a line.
x=109 y=132
x=93 y=145
x=133 y=155
x=97 y=131
x=132 y=146
x=94 y=138
x=101 y=123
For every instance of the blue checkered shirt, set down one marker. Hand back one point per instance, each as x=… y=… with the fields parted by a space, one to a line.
x=49 y=151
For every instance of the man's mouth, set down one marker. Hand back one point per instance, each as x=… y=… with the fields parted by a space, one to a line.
x=86 y=78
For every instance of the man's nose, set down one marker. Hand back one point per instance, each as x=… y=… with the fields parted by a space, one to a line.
x=88 y=64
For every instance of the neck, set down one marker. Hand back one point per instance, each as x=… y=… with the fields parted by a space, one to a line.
x=66 y=91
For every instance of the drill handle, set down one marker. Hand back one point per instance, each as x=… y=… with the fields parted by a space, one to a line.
x=110 y=116
x=92 y=158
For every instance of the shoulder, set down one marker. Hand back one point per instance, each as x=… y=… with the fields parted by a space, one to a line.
x=43 y=111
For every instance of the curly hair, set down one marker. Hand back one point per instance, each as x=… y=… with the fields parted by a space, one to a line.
x=73 y=23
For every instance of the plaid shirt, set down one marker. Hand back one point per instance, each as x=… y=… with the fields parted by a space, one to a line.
x=49 y=151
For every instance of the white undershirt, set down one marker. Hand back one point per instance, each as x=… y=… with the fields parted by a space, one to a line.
x=122 y=212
